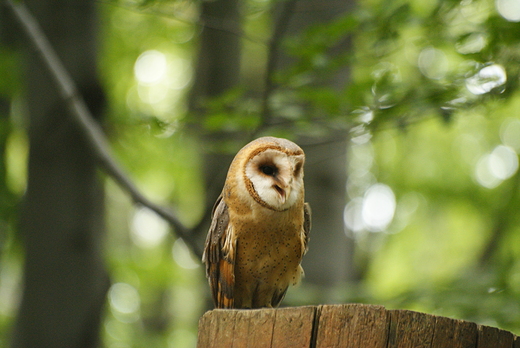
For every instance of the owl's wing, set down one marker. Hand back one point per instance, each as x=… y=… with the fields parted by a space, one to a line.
x=306 y=225
x=219 y=256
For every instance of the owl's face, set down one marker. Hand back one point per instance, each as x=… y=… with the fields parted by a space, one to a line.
x=276 y=176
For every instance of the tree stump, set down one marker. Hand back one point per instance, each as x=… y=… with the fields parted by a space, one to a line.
x=348 y=325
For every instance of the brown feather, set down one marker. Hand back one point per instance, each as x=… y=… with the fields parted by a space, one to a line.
x=219 y=261
x=226 y=284
x=307 y=223
x=253 y=249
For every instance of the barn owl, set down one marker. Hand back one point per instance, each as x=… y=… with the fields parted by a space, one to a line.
x=260 y=226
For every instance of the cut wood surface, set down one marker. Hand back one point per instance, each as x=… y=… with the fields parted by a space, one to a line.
x=348 y=325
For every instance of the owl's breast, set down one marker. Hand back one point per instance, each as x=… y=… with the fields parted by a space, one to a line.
x=268 y=252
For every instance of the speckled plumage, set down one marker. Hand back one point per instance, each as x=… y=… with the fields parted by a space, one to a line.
x=260 y=226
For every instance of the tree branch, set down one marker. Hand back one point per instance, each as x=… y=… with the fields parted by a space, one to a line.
x=88 y=126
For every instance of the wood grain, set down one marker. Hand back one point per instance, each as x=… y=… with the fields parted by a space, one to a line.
x=410 y=329
x=344 y=326
x=293 y=327
x=454 y=333
x=352 y=325
x=491 y=337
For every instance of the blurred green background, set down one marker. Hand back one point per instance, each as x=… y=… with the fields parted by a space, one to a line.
x=420 y=100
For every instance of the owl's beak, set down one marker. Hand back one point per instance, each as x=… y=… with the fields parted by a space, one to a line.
x=283 y=190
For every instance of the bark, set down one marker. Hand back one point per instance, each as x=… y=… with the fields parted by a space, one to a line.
x=348 y=325
x=62 y=215
x=218 y=66
x=329 y=260
x=330 y=257
x=217 y=71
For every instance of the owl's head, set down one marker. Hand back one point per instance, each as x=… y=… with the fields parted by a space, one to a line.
x=272 y=171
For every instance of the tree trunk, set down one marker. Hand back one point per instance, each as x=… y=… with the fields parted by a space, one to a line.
x=329 y=260
x=62 y=216
x=330 y=257
x=217 y=71
x=350 y=325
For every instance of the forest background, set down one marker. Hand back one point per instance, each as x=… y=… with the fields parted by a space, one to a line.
x=407 y=111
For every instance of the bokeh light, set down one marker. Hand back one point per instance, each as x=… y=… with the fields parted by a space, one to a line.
x=504 y=162
x=473 y=43
x=433 y=63
x=374 y=212
x=497 y=166
x=509 y=9
x=487 y=79
x=352 y=215
x=161 y=79
x=150 y=67
x=124 y=301
x=148 y=229
x=378 y=207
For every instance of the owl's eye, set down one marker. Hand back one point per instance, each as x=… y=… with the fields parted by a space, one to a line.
x=268 y=170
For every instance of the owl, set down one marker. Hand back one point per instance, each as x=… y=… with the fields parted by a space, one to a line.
x=260 y=226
